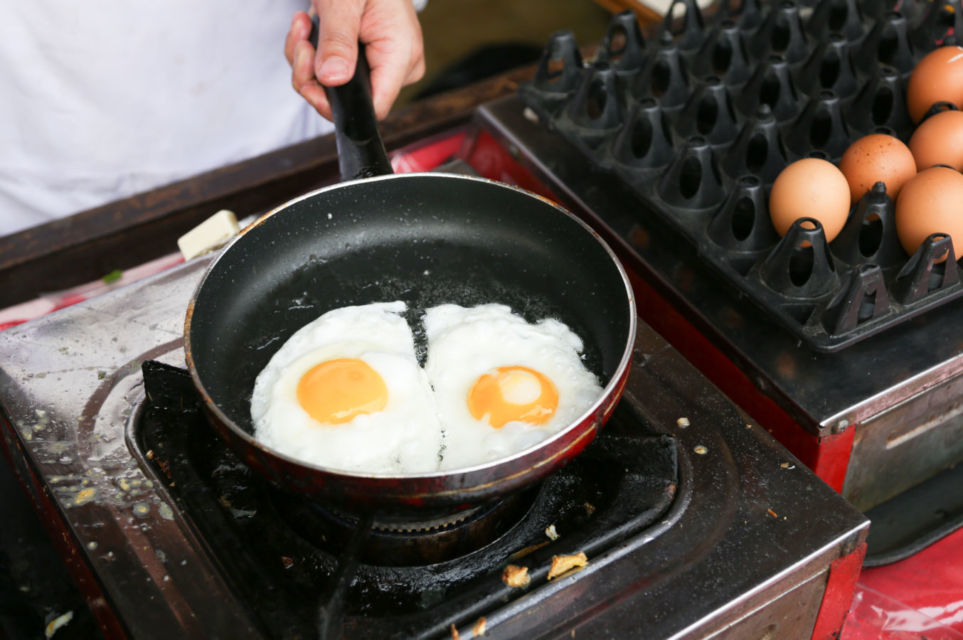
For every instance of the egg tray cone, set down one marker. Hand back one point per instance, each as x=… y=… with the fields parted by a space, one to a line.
x=699 y=119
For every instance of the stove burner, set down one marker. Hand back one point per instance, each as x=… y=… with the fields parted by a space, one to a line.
x=384 y=578
x=426 y=525
x=397 y=540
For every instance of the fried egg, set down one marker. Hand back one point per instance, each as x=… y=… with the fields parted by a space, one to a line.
x=346 y=392
x=501 y=384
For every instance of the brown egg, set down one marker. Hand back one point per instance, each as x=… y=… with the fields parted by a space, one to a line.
x=810 y=188
x=877 y=158
x=932 y=202
x=939 y=140
x=938 y=77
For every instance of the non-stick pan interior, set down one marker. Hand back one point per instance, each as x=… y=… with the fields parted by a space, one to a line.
x=425 y=239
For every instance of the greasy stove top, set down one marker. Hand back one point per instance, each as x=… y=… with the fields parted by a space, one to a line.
x=747 y=542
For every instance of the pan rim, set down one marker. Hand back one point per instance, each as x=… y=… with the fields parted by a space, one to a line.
x=609 y=391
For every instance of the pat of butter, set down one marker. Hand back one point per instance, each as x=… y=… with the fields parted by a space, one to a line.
x=209 y=235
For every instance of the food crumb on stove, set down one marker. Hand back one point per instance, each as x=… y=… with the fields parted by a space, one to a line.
x=551 y=532
x=564 y=564
x=479 y=628
x=515 y=576
x=112 y=277
x=772 y=513
x=589 y=508
x=287 y=562
x=787 y=465
x=701 y=449
x=84 y=496
x=57 y=623
x=683 y=422
x=454 y=632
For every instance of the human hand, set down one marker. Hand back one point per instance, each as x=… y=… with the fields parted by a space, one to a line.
x=394 y=49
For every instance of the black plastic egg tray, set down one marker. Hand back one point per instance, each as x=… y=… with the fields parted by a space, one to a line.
x=699 y=119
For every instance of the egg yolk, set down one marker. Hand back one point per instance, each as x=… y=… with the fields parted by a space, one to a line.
x=336 y=391
x=512 y=394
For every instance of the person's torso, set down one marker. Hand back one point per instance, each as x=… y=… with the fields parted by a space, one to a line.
x=106 y=98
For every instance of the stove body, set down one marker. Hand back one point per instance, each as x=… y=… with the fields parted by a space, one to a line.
x=738 y=538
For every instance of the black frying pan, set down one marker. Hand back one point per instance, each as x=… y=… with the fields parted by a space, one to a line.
x=423 y=238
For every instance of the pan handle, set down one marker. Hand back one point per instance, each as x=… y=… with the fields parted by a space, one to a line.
x=361 y=152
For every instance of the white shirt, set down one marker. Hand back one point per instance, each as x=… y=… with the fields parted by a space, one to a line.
x=102 y=99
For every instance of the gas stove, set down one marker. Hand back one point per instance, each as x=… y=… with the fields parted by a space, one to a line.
x=693 y=521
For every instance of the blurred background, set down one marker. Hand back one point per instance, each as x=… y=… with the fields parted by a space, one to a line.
x=467 y=40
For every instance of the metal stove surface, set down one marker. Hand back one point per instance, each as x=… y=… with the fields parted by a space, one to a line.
x=753 y=542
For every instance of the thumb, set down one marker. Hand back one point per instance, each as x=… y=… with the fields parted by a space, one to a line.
x=339 y=22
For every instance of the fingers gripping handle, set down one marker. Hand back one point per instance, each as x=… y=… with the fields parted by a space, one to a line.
x=361 y=152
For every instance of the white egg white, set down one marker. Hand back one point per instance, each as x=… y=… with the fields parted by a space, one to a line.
x=465 y=343
x=403 y=438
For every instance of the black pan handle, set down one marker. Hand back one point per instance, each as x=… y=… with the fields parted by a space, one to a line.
x=361 y=152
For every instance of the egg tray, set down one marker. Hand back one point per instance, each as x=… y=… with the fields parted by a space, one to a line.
x=699 y=120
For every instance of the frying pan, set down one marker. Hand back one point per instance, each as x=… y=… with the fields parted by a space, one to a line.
x=426 y=239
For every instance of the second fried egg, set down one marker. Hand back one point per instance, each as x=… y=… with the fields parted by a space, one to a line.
x=502 y=384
